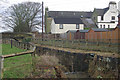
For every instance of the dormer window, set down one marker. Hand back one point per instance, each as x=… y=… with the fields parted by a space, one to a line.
x=100 y=26
x=61 y=26
x=113 y=17
x=77 y=26
x=108 y=26
x=104 y=26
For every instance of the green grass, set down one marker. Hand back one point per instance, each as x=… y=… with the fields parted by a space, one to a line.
x=18 y=66
x=6 y=49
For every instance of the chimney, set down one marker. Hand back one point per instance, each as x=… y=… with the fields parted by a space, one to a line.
x=112 y=5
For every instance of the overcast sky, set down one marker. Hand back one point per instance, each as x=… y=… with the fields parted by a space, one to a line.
x=69 y=5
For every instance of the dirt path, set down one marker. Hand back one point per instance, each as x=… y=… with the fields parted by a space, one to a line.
x=105 y=54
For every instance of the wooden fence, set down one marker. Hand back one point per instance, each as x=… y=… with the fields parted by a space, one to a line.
x=113 y=35
x=30 y=47
x=18 y=44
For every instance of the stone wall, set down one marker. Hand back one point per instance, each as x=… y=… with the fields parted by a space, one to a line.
x=94 y=65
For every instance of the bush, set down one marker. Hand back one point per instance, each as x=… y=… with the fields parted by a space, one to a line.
x=46 y=60
x=44 y=67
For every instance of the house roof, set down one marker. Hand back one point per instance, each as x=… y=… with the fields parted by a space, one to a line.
x=68 y=21
x=101 y=12
x=99 y=29
x=72 y=31
x=119 y=15
x=69 y=14
x=112 y=2
x=88 y=22
x=83 y=31
x=118 y=26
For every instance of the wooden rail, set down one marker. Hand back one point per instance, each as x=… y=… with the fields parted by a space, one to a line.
x=17 y=54
x=29 y=46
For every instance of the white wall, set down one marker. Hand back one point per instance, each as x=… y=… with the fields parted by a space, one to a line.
x=55 y=28
x=52 y=27
x=112 y=25
x=99 y=19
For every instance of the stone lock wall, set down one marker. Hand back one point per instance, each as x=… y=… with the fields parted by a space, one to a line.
x=96 y=66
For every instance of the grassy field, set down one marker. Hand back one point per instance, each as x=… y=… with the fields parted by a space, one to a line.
x=16 y=67
x=6 y=49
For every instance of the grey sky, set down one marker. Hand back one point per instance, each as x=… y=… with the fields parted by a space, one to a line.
x=70 y=5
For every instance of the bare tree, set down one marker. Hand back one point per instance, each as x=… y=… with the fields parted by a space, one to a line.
x=24 y=16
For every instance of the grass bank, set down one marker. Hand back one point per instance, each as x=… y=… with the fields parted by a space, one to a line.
x=6 y=49
x=18 y=66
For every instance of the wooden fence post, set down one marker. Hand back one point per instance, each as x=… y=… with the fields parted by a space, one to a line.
x=18 y=44
x=109 y=42
x=33 y=62
x=86 y=42
x=97 y=43
x=11 y=43
x=72 y=63
x=22 y=45
x=27 y=46
x=1 y=67
x=62 y=43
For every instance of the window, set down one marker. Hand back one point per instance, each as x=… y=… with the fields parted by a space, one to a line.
x=61 y=26
x=101 y=17
x=108 y=26
x=113 y=17
x=104 y=26
x=77 y=26
x=100 y=26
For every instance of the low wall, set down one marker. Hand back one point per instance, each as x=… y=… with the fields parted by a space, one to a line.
x=94 y=65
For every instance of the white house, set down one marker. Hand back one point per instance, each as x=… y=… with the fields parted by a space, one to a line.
x=107 y=17
x=62 y=25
